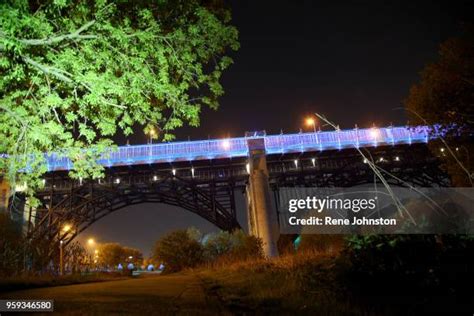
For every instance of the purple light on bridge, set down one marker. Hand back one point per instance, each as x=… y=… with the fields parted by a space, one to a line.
x=237 y=147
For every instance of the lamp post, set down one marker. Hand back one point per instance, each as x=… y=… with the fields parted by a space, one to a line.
x=66 y=228
x=61 y=258
x=90 y=243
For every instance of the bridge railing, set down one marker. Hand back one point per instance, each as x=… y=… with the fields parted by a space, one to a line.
x=237 y=147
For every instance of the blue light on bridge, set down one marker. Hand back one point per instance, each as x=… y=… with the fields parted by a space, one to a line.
x=237 y=147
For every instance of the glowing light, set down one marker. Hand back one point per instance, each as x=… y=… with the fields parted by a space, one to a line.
x=117 y=180
x=90 y=241
x=21 y=187
x=296 y=163
x=96 y=251
x=310 y=121
x=442 y=149
x=44 y=181
x=80 y=181
x=247 y=167
x=313 y=160
x=397 y=158
x=155 y=178
x=365 y=160
x=173 y=172
x=374 y=133
x=66 y=228
x=192 y=172
x=238 y=147
x=225 y=144
x=381 y=159
x=61 y=242
x=130 y=257
x=457 y=148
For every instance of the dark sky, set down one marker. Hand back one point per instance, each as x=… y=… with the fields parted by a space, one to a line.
x=353 y=61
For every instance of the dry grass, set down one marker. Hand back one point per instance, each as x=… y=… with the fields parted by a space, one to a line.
x=305 y=282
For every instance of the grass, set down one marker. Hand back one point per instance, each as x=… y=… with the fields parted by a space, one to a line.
x=303 y=283
x=314 y=283
x=9 y=284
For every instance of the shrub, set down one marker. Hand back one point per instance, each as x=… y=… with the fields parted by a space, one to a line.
x=326 y=243
x=178 y=250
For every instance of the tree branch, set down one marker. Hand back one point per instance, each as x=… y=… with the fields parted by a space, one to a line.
x=57 y=39
x=60 y=74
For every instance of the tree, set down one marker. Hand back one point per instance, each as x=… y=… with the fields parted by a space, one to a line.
x=12 y=246
x=178 y=250
x=111 y=254
x=75 y=73
x=445 y=96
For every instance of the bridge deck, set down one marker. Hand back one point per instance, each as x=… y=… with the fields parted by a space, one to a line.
x=238 y=147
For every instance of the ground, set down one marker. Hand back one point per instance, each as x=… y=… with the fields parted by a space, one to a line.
x=168 y=294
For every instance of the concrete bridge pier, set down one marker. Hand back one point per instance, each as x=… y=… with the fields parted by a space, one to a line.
x=261 y=213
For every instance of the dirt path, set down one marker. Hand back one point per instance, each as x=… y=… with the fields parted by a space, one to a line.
x=153 y=295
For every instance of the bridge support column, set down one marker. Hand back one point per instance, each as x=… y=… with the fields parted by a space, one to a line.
x=262 y=216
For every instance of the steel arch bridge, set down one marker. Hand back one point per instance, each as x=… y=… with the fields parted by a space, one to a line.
x=204 y=176
x=208 y=188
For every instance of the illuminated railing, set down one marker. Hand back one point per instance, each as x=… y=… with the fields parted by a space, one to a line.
x=237 y=147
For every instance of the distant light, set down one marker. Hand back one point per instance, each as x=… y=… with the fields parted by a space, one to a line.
x=313 y=160
x=225 y=144
x=44 y=181
x=61 y=242
x=130 y=257
x=457 y=148
x=442 y=149
x=173 y=172
x=374 y=133
x=365 y=160
x=381 y=159
x=96 y=251
x=80 y=181
x=247 y=167
x=66 y=228
x=397 y=158
x=310 y=121
x=296 y=163
x=192 y=172
x=155 y=178
x=117 y=180
x=91 y=241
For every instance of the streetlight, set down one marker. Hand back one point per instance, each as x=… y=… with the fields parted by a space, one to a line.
x=61 y=258
x=310 y=121
x=66 y=228
x=152 y=134
x=91 y=242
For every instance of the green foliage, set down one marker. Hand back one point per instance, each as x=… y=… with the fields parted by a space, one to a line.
x=326 y=243
x=445 y=96
x=177 y=251
x=183 y=249
x=111 y=254
x=233 y=246
x=426 y=262
x=75 y=73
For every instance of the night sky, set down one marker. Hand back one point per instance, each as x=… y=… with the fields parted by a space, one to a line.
x=353 y=61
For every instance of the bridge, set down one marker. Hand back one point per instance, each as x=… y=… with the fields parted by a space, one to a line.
x=204 y=176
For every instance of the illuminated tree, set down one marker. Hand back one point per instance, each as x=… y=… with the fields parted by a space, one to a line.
x=445 y=96
x=75 y=73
